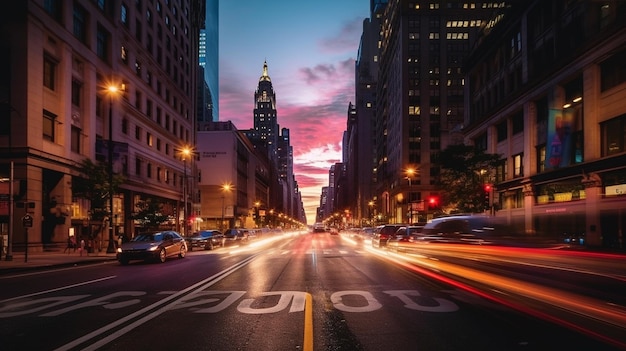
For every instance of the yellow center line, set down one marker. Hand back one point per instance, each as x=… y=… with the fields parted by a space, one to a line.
x=308 y=323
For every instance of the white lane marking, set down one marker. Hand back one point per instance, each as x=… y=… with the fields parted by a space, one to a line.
x=101 y=342
x=59 y=288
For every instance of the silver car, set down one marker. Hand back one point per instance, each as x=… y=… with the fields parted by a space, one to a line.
x=154 y=247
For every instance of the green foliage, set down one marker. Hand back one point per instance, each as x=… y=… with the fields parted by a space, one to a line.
x=464 y=171
x=149 y=214
x=93 y=185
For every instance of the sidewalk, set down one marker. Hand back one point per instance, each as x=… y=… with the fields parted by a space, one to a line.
x=56 y=258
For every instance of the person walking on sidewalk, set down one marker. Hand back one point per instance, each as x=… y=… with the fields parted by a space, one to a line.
x=69 y=246
x=82 y=246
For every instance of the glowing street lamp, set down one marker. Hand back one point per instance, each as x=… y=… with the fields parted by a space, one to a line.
x=225 y=187
x=112 y=91
x=185 y=152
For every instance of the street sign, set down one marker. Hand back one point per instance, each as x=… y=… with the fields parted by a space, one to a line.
x=27 y=221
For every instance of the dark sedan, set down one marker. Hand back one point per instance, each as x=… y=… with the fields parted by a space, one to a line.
x=406 y=237
x=206 y=239
x=153 y=247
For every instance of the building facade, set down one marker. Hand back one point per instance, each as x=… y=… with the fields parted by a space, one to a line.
x=57 y=111
x=546 y=88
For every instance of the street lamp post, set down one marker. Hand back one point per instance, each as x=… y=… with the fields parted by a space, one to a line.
x=111 y=246
x=225 y=187
x=185 y=152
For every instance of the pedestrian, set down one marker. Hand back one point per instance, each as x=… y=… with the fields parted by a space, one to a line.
x=69 y=246
x=73 y=240
x=82 y=246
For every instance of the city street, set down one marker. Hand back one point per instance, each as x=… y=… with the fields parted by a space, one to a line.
x=316 y=291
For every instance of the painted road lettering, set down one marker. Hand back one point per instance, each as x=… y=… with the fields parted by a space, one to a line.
x=353 y=301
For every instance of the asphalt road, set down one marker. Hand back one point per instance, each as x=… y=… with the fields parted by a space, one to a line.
x=312 y=291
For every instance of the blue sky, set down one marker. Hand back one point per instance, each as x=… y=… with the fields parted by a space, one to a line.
x=310 y=48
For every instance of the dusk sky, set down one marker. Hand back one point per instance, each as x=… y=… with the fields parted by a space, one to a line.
x=310 y=48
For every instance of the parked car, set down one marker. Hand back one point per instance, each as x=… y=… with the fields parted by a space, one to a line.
x=383 y=233
x=235 y=235
x=206 y=239
x=153 y=246
x=406 y=237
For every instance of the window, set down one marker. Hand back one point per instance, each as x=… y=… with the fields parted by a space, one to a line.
x=149 y=138
x=124 y=54
x=75 y=142
x=613 y=136
x=138 y=166
x=102 y=43
x=125 y=126
x=518 y=169
x=80 y=23
x=613 y=71
x=49 y=121
x=76 y=91
x=502 y=131
x=518 y=123
x=49 y=72
x=124 y=15
x=149 y=170
x=137 y=133
x=541 y=158
x=53 y=8
x=501 y=171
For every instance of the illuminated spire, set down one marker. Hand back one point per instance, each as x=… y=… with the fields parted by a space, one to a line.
x=265 y=76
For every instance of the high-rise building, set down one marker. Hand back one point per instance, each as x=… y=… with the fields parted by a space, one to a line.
x=59 y=59
x=265 y=119
x=209 y=53
x=419 y=97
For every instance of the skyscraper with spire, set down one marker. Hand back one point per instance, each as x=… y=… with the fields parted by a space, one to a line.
x=266 y=127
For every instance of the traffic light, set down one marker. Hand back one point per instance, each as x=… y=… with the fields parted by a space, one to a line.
x=433 y=202
x=487 y=196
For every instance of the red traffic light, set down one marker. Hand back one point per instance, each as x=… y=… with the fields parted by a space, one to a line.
x=487 y=187
x=433 y=201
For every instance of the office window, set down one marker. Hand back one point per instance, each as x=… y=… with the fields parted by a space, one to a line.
x=149 y=170
x=76 y=91
x=49 y=72
x=138 y=166
x=53 y=8
x=149 y=138
x=137 y=133
x=502 y=131
x=518 y=123
x=124 y=15
x=541 y=158
x=80 y=23
x=49 y=121
x=103 y=43
x=158 y=173
x=501 y=170
x=613 y=136
x=518 y=170
x=75 y=139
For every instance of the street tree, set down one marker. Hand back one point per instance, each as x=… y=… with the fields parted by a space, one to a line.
x=464 y=172
x=93 y=184
x=149 y=214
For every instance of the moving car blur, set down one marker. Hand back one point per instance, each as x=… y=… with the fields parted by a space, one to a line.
x=406 y=237
x=206 y=239
x=152 y=247
x=383 y=233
